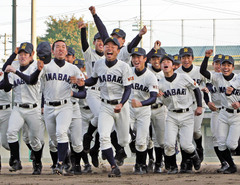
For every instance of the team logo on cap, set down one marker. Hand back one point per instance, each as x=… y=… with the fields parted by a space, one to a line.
x=175 y=57
x=76 y=62
x=226 y=57
x=117 y=30
x=111 y=37
x=185 y=50
x=24 y=46
x=219 y=56
x=135 y=49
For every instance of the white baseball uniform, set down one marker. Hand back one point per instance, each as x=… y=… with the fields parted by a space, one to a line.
x=201 y=81
x=178 y=99
x=112 y=81
x=140 y=117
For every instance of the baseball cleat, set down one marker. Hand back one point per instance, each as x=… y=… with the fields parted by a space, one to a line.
x=94 y=156
x=137 y=169
x=120 y=156
x=189 y=166
x=144 y=168
x=53 y=168
x=173 y=170
x=196 y=161
x=150 y=165
x=87 y=168
x=77 y=170
x=115 y=172
x=87 y=142
x=200 y=153
x=16 y=165
x=37 y=168
x=230 y=169
x=157 y=168
x=224 y=166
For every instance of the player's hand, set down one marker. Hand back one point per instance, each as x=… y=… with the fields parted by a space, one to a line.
x=92 y=10
x=160 y=94
x=73 y=79
x=157 y=45
x=81 y=24
x=229 y=90
x=80 y=82
x=143 y=31
x=42 y=110
x=16 y=50
x=118 y=108
x=236 y=105
x=40 y=65
x=71 y=93
x=212 y=106
x=135 y=103
x=205 y=89
x=198 y=111
x=9 y=69
x=208 y=53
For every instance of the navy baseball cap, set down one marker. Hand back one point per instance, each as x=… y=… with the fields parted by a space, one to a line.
x=111 y=39
x=168 y=56
x=118 y=32
x=159 y=53
x=138 y=51
x=176 y=59
x=79 y=63
x=218 y=57
x=227 y=58
x=186 y=51
x=26 y=47
x=71 y=51
x=97 y=36
x=43 y=49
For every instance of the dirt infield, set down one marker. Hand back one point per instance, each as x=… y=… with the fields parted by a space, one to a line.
x=207 y=175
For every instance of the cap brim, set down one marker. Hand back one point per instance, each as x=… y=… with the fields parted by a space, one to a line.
x=23 y=50
x=182 y=55
x=139 y=54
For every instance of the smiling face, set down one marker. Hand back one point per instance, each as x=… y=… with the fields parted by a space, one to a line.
x=155 y=61
x=60 y=50
x=187 y=61
x=98 y=45
x=227 y=68
x=120 y=39
x=217 y=66
x=24 y=58
x=111 y=51
x=70 y=58
x=139 y=62
x=167 y=67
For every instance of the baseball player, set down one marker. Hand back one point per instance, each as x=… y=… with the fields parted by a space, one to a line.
x=214 y=104
x=144 y=93
x=175 y=90
x=93 y=98
x=187 y=57
x=26 y=109
x=177 y=61
x=158 y=110
x=228 y=120
x=115 y=78
x=123 y=55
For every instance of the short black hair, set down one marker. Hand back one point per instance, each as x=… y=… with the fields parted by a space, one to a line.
x=56 y=42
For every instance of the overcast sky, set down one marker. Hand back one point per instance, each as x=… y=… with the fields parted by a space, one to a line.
x=169 y=32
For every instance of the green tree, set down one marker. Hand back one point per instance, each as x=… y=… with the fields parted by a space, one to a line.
x=66 y=29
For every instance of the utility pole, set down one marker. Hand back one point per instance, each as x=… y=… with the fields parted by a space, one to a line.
x=151 y=34
x=14 y=25
x=141 y=44
x=33 y=28
x=182 y=33
x=214 y=37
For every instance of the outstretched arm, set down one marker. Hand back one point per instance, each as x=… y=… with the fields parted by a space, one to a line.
x=203 y=67
x=100 y=26
x=10 y=59
x=82 y=26
x=157 y=46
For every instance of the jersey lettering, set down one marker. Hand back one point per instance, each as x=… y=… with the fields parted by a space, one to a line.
x=140 y=87
x=18 y=82
x=235 y=91
x=110 y=78
x=198 y=81
x=59 y=77
x=174 y=92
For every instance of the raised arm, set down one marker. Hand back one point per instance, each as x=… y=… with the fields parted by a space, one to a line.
x=203 y=67
x=157 y=45
x=82 y=26
x=10 y=59
x=100 y=26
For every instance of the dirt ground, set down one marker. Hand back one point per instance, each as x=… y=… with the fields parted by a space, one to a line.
x=206 y=175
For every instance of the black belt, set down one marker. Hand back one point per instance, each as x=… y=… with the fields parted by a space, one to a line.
x=181 y=110
x=86 y=108
x=2 y=107
x=231 y=110
x=57 y=103
x=95 y=88
x=156 y=105
x=111 y=102
x=26 y=106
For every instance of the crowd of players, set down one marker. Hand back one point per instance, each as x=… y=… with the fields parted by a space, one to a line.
x=117 y=96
